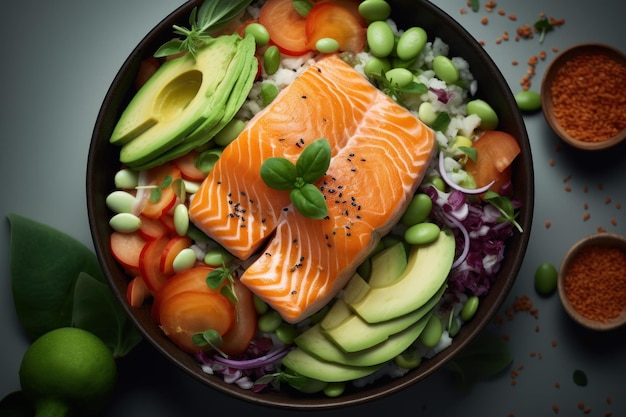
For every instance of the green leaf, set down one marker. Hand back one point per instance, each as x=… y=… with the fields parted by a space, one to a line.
x=278 y=173
x=214 y=14
x=475 y=5
x=414 y=88
x=471 y=153
x=45 y=264
x=172 y=47
x=309 y=201
x=486 y=356
x=96 y=310
x=543 y=26
x=216 y=277
x=441 y=122
x=314 y=160
x=302 y=7
x=505 y=206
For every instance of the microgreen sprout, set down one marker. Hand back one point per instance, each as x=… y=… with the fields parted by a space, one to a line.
x=394 y=91
x=543 y=26
x=210 y=338
x=217 y=277
x=505 y=206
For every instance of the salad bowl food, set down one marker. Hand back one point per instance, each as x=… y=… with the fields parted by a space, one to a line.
x=470 y=239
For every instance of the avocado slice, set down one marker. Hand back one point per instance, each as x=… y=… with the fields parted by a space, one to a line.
x=351 y=333
x=314 y=342
x=300 y=362
x=246 y=65
x=184 y=94
x=388 y=265
x=427 y=269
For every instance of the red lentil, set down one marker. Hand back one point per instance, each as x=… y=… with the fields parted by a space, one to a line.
x=586 y=216
x=585 y=97
x=484 y=20
x=548 y=224
x=595 y=282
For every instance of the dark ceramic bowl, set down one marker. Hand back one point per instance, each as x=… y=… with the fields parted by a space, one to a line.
x=103 y=162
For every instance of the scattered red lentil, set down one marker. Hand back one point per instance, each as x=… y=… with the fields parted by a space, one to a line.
x=484 y=20
x=548 y=224
x=555 y=408
x=585 y=188
x=586 y=216
x=607 y=200
x=586 y=206
x=552 y=162
x=512 y=17
x=614 y=221
x=568 y=188
x=553 y=342
x=618 y=205
x=584 y=99
x=501 y=12
x=514 y=63
x=557 y=385
x=567 y=178
x=595 y=282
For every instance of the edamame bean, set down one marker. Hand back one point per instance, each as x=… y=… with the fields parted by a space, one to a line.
x=185 y=259
x=217 y=257
x=445 y=69
x=546 y=278
x=269 y=321
x=269 y=91
x=327 y=45
x=260 y=306
x=286 y=333
x=488 y=116
x=421 y=233
x=334 y=389
x=181 y=219
x=408 y=360
x=271 y=60
x=418 y=210
x=437 y=182
x=191 y=187
x=120 y=201
x=528 y=100
x=376 y=66
x=426 y=113
x=380 y=38
x=411 y=43
x=373 y=10
x=125 y=222
x=229 y=132
x=258 y=32
x=126 y=178
x=469 y=308
x=432 y=332
x=400 y=77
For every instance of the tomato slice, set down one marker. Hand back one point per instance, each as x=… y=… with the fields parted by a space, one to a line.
x=190 y=312
x=331 y=20
x=137 y=292
x=149 y=263
x=238 y=338
x=285 y=26
x=496 y=151
x=157 y=177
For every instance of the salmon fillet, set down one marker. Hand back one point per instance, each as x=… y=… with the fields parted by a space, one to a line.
x=380 y=153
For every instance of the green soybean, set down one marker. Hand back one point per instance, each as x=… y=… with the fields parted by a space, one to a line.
x=258 y=32
x=217 y=257
x=260 y=306
x=286 y=333
x=120 y=201
x=445 y=69
x=271 y=59
x=421 y=233
x=376 y=66
x=426 y=113
x=181 y=219
x=125 y=222
x=432 y=332
x=327 y=45
x=191 y=187
x=411 y=43
x=488 y=116
x=126 y=178
x=418 y=210
x=229 y=132
x=438 y=183
x=469 y=308
x=269 y=321
x=528 y=100
x=185 y=259
x=400 y=77
x=546 y=276
x=373 y=10
x=408 y=360
x=334 y=389
x=380 y=38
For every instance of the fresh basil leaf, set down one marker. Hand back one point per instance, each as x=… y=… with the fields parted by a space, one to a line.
x=302 y=7
x=441 y=122
x=414 y=88
x=214 y=15
x=45 y=264
x=278 y=173
x=172 y=47
x=96 y=310
x=314 y=160
x=309 y=201
x=470 y=152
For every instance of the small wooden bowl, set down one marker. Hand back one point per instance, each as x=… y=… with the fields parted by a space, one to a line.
x=605 y=240
x=547 y=100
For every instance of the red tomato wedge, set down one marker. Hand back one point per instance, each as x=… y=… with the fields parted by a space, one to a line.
x=238 y=338
x=495 y=150
x=157 y=177
x=126 y=249
x=193 y=279
x=137 y=292
x=331 y=20
x=149 y=264
x=190 y=312
x=285 y=26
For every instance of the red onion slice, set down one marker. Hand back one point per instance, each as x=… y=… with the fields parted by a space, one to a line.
x=456 y=186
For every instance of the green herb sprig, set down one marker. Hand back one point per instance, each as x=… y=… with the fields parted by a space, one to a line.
x=282 y=174
x=543 y=26
x=505 y=206
x=204 y=21
x=394 y=91
x=218 y=277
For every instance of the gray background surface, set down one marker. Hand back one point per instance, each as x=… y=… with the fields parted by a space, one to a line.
x=58 y=61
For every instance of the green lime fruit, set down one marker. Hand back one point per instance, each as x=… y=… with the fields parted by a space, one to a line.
x=68 y=372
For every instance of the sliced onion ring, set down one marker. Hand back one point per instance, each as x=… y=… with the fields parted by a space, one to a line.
x=456 y=186
x=466 y=245
x=252 y=363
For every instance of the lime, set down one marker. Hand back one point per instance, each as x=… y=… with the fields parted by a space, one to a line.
x=67 y=371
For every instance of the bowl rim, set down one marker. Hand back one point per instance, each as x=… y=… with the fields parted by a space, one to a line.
x=546 y=97
x=100 y=151
x=605 y=239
